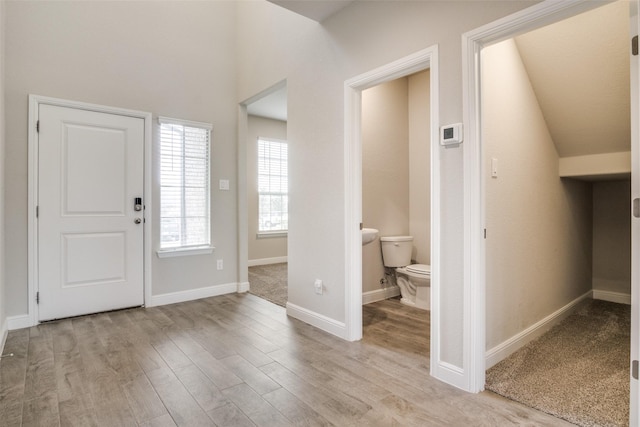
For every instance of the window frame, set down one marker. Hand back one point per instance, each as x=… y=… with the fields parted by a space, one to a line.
x=184 y=250
x=261 y=234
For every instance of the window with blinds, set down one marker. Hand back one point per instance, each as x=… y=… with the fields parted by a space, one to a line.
x=184 y=184
x=273 y=186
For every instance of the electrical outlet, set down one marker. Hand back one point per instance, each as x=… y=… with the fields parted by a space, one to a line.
x=317 y=285
x=220 y=264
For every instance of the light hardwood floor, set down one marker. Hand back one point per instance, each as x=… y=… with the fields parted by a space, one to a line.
x=235 y=360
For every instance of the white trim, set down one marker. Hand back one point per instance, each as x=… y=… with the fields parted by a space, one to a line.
x=4 y=332
x=19 y=322
x=519 y=340
x=380 y=294
x=424 y=59
x=536 y=16
x=193 y=294
x=317 y=320
x=169 y=253
x=618 y=297
x=32 y=225
x=267 y=261
x=244 y=287
x=272 y=234
x=188 y=123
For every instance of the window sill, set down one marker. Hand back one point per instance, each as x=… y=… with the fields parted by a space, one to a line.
x=271 y=234
x=170 y=253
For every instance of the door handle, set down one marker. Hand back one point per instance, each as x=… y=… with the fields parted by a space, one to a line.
x=137 y=220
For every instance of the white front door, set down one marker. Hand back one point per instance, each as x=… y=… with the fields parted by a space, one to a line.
x=90 y=236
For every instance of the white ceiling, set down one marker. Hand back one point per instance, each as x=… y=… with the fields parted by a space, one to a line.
x=579 y=70
x=272 y=106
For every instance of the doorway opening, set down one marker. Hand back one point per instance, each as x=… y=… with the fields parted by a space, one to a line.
x=395 y=201
x=426 y=59
x=557 y=218
x=481 y=165
x=263 y=165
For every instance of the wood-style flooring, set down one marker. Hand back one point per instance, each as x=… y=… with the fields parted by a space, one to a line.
x=235 y=360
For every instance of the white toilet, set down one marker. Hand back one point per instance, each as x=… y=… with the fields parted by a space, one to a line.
x=414 y=280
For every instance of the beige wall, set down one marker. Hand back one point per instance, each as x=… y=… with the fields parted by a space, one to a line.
x=385 y=171
x=420 y=166
x=175 y=59
x=264 y=247
x=612 y=236
x=538 y=247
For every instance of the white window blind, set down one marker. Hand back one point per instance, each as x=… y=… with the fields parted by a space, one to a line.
x=184 y=184
x=273 y=186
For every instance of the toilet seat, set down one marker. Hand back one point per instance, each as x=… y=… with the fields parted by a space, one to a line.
x=422 y=269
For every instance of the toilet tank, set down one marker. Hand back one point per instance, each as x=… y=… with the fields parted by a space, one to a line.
x=396 y=250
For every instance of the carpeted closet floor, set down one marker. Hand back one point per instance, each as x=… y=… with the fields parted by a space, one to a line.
x=577 y=371
x=269 y=282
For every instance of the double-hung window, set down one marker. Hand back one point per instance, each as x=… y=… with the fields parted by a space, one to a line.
x=273 y=186
x=184 y=186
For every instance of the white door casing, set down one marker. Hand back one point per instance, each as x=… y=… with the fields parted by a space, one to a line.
x=634 y=416
x=86 y=251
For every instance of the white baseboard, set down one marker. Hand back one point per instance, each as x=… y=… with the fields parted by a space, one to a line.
x=380 y=294
x=450 y=374
x=4 y=331
x=193 y=294
x=19 y=322
x=266 y=261
x=243 y=287
x=501 y=351
x=318 y=320
x=618 y=297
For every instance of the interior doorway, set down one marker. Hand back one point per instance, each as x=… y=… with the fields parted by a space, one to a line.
x=263 y=194
x=396 y=179
x=426 y=59
x=475 y=221
x=558 y=228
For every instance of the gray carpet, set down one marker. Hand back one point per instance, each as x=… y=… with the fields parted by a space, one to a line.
x=578 y=371
x=269 y=282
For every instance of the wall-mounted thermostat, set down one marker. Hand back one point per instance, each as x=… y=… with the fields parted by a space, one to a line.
x=451 y=134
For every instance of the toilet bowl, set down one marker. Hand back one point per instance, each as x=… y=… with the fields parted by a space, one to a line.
x=414 y=280
x=415 y=285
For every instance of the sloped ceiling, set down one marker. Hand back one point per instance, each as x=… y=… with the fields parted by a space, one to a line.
x=318 y=10
x=579 y=70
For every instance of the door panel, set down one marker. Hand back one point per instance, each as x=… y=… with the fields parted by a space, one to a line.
x=90 y=248
x=94 y=167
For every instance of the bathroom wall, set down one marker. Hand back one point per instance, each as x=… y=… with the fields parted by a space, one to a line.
x=612 y=238
x=538 y=245
x=396 y=172
x=419 y=166
x=262 y=250
x=385 y=171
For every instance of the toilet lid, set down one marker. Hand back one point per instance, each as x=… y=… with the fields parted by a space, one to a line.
x=419 y=268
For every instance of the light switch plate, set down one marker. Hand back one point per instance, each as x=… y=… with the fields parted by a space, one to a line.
x=224 y=184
